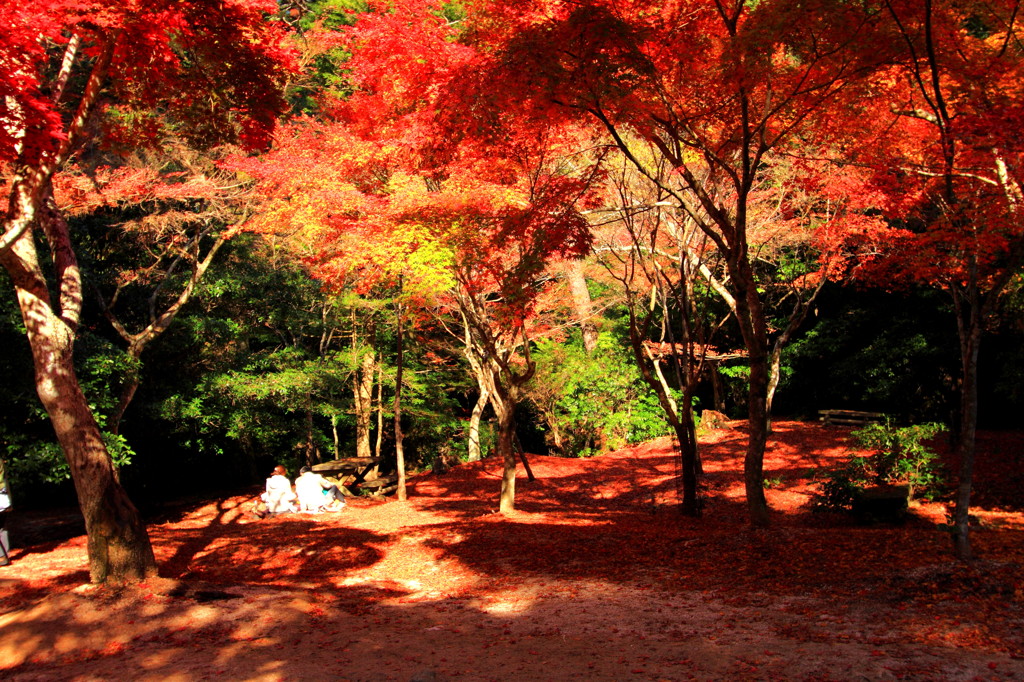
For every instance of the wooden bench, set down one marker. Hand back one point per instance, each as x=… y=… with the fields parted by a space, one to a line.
x=849 y=417
x=381 y=486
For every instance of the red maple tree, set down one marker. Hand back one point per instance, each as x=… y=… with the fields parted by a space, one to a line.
x=711 y=91
x=466 y=218
x=75 y=74
x=938 y=184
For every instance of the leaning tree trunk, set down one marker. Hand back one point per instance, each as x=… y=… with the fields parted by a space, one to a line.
x=680 y=417
x=128 y=390
x=118 y=544
x=582 y=304
x=158 y=324
x=473 y=446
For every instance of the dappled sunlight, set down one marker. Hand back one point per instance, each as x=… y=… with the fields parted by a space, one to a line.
x=174 y=615
x=286 y=549
x=595 y=563
x=526 y=631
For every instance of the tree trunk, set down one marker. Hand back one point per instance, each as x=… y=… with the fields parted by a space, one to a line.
x=364 y=363
x=796 y=318
x=504 y=404
x=677 y=416
x=128 y=391
x=505 y=410
x=310 y=451
x=380 y=412
x=522 y=454
x=753 y=464
x=473 y=447
x=399 y=450
x=582 y=304
x=774 y=377
x=718 y=393
x=334 y=432
x=686 y=433
x=118 y=544
x=969 y=325
x=489 y=355
x=754 y=329
x=158 y=324
x=551 y=419
x=364 y=402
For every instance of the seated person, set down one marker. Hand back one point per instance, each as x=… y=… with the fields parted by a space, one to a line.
x=316 y=493
x=5 y=504
x=279 y=498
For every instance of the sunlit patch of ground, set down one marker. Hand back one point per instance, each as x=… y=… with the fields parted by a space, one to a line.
x=595 y=576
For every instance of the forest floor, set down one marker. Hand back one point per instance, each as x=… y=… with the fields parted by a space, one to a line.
x=595 y=576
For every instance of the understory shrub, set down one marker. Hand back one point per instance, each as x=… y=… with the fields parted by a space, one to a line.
x=901 y=457
x=596 y=402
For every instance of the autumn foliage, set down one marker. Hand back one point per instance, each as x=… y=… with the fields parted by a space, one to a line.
x=80 y=79
x=465 y=154
x=467 y=218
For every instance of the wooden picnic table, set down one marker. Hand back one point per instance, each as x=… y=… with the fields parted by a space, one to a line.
x=348 y=466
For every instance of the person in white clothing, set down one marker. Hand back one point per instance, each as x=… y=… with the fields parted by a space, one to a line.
x=316 y=493
x=5 y=504
x=279 y=498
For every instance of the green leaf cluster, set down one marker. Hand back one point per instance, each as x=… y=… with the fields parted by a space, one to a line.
x=596 y=402
x=902 y=457
x=880 y=352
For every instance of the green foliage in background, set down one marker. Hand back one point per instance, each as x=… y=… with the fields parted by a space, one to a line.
x=435 y=430
x=902 y=457
x=887 y=353
x=34 y=458
x=593 y=402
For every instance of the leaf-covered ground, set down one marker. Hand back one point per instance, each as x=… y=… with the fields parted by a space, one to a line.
x=595 y=577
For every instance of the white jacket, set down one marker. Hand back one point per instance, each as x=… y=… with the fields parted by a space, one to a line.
x=279 y=496
x=310 y=489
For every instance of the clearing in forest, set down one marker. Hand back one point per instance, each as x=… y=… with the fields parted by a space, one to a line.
x=596 y=577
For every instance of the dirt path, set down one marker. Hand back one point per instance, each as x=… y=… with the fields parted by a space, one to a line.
x=596 y=577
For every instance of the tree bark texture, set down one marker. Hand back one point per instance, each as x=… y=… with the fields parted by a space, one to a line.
x=489 y=348
x=118 y=544
x=363 y=392
x=399 y=447
x=505 y=410
x=969 y=326
x=503 y=401
x=380 y=413
x=754 y=329
x=473 y=446
x=582 y=303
